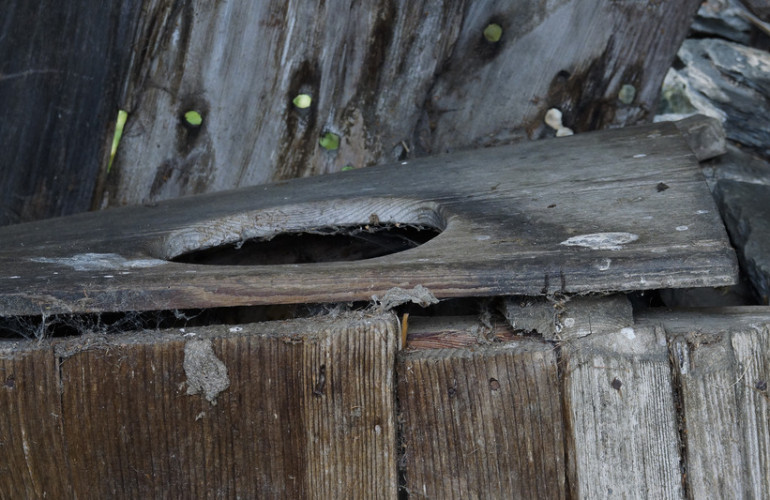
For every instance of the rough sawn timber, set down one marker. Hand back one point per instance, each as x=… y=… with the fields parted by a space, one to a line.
x=622 y=434
x=480 y=421
x=623 y=209
x=721 y=360
x=302 y=409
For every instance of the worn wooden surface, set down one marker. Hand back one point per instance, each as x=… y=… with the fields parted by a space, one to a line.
x=624 y=209
x=392 y=79
x=483 y=422
x=299 y=409
x=622 y=429
x=721 y=360
x=61 y=68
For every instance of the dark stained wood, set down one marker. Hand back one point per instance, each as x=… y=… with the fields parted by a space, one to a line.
x=484 y=422
x=392 y=79
x=32 y=446
x=624 y=209
x=307 y=412
x=61 y=75
x=721 y=360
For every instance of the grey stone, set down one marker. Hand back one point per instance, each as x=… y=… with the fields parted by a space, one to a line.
x=724 y=80
x=746 y=211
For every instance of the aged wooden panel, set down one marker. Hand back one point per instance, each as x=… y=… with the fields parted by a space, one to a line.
x=297 y=409
x=61 y=73
x=32 y=447
x=623 y=209
x=576 y=56
x=722 y=362
x=623 y=439
x=390 y=78
x=483 y=422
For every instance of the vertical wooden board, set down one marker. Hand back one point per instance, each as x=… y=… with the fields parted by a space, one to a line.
x=722 y=362
x=366 y=66
x=32 y=453
x=61 y=73
x=714 y=457
x=482 y=423
x=622 y=430
x=392 y=79
x=282 y=427
x=752 y=356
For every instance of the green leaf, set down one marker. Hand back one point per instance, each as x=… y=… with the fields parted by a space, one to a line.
x=348 y=167
x=193 y=118
x=122 y=116
x=302 y=101
x=493 y=32
x=330 y=141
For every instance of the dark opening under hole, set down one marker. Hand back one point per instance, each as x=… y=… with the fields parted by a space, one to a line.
x=321 y=245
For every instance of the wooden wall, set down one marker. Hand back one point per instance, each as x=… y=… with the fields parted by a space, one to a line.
x=392 y=79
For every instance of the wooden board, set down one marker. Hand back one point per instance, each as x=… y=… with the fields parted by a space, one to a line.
x=296 y=409
x=722 y=364
x=484 y=422
x=61 y=75
x=393 y=79
x=624 y=209
x=622 y=439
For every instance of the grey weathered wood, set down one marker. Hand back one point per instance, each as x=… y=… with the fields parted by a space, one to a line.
x=392 y=78
x=624 y=209
x=61 y=68
x=567 y=319
x=301 y=409
x=623 y=437
x=480 y=422
x=722 y=363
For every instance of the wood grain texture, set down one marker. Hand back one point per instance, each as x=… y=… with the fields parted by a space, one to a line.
x=482 y=423
x=623 y=209
x=622 y=438
x=722 y=363
x=393 y=79
x=284 y=427
x=32 y=446
x=60 y=78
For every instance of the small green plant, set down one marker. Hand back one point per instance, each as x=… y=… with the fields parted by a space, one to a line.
x=122 y=116
x=193 y=118
x=347 y=168
x=330 y=141
x=493 y=32
x=302 y=101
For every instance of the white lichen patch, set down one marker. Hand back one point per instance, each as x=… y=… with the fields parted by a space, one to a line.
x=99 y=262
x=601 y=241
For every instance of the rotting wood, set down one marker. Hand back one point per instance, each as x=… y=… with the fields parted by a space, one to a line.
x=484 y=422
x=308 y=413
x=622 y=438
x=721 y=360
x=391 y=79
x=572 y=215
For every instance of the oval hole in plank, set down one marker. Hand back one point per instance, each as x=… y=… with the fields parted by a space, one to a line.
x=328 y=231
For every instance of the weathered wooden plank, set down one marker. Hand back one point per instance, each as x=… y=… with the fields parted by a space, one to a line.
x=390 y=78
x=297 y=409
x=32 y=447
x=61 y=74
x=622 y=426
x=623 y=209
x=576 y=56
x=483 y=422
x=722 y=363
